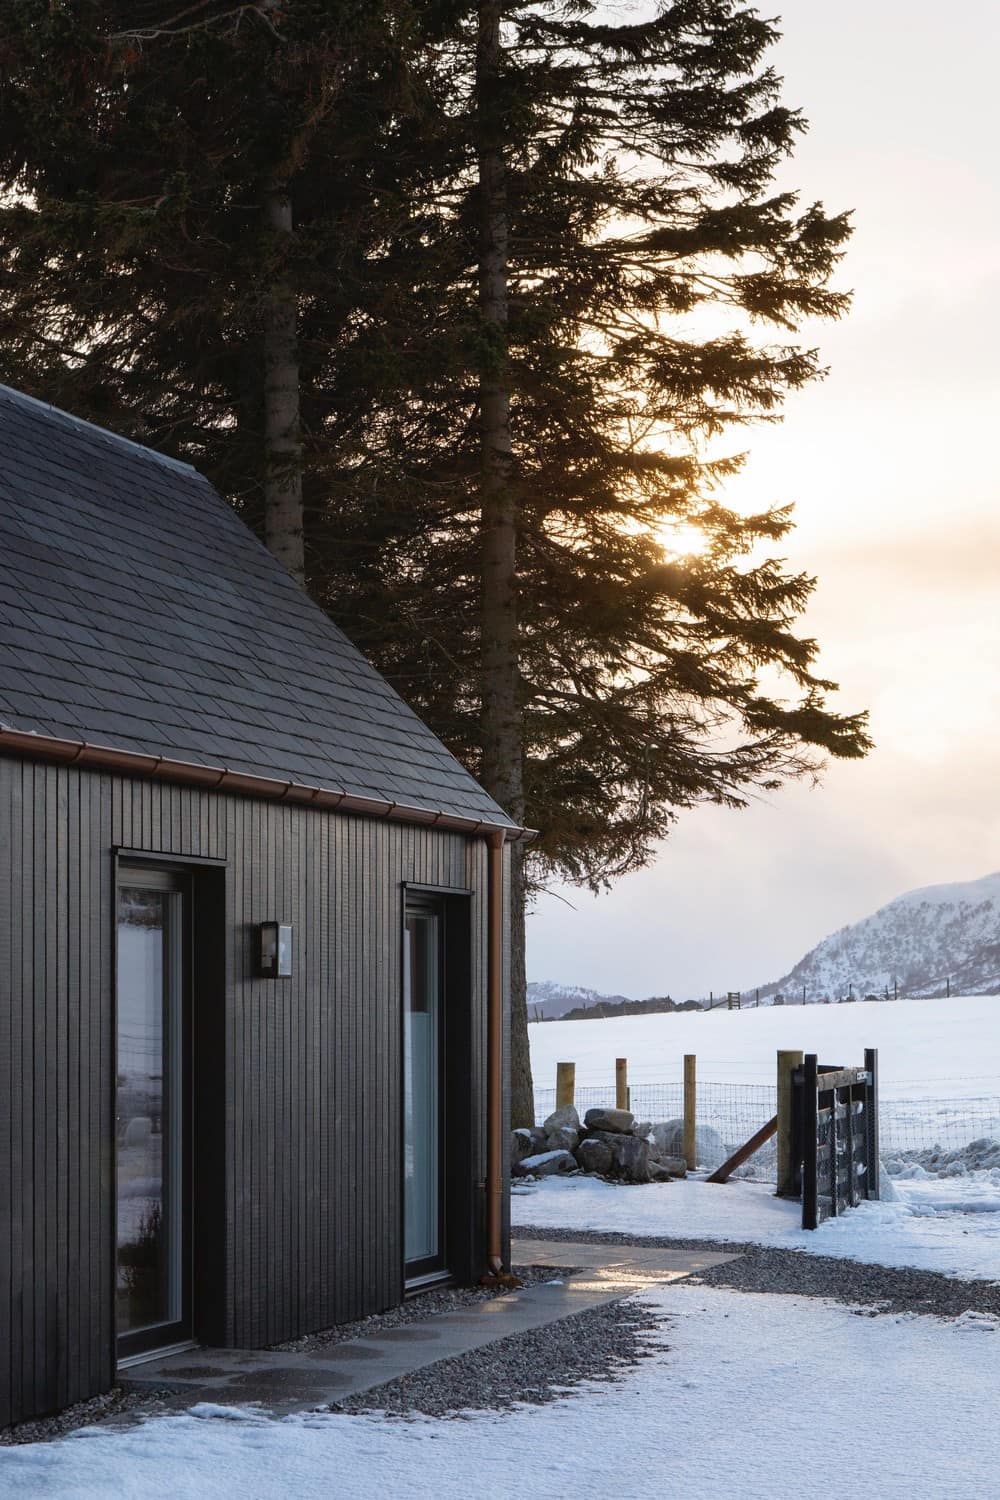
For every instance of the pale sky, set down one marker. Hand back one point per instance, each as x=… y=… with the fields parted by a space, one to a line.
x=893 y=466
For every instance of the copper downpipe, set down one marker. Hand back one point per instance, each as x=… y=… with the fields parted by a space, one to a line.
x=494 y=1057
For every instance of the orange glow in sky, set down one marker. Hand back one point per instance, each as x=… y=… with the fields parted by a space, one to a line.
x=892 y=467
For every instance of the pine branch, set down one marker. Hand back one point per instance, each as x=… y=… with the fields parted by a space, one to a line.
x=171 y=28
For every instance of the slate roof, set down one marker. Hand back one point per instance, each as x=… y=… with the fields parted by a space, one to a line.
x=138 y=612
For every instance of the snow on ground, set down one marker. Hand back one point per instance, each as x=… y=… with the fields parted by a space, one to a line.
x=747 y=1395
x=978 y=1193
x=928 y=1049
x=939 y=1073
x=939 y=1225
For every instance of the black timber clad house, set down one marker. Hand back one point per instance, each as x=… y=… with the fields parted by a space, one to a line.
x=192 y=1148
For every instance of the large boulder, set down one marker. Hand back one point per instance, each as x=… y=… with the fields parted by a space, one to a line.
x=604 y=1136
x=521 y=1145
x=630 y=1158
x=618 y=1121
x=546 y=1164
x=563 y=1118
x=562 y=1139
x=594 y=1155
x=668 y=1140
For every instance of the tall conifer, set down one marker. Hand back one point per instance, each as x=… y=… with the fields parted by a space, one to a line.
x=614 y=286
x=537 y=270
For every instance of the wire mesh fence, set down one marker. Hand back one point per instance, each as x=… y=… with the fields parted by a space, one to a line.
x=945 y=1137
x=735 y=1111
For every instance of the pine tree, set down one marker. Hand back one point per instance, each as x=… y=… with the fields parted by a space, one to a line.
x=502 y=446
x=192 y=195
x=528 y=583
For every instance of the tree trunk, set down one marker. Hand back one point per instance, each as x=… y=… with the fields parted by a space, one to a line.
x=283 y=521
x=501 y=719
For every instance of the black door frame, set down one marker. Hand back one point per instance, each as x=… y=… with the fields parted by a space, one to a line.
x=172 y=878
x=432 y=1267
x=460 y=1188
x=210 y=1294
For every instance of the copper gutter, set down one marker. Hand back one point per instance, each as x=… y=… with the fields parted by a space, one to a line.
x=219 y=778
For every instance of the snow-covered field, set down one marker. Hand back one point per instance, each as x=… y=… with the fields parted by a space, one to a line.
x=744 y=1396
x=928 y=1049
x=939 y=1070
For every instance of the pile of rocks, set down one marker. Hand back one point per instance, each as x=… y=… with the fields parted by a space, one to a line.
x=609 y=1143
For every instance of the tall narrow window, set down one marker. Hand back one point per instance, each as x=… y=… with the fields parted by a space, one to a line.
x=423 y=1091
x=151 y=1135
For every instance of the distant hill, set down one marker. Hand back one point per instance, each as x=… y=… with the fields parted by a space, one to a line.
x=920 y=942
x=548 y=1001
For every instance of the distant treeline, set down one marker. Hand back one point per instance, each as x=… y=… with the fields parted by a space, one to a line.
x=655 y=1006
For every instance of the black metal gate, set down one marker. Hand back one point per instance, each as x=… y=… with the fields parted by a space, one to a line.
x=836 y=1134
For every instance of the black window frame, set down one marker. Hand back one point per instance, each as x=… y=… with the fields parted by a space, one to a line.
x=162 y=876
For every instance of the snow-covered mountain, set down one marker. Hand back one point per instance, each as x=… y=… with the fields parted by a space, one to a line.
x=547 y=1000
x=919 y=942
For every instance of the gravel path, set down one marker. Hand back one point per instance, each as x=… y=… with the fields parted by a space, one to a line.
x=605 y=1341
x=114 y=1405
x=886 y=1289
x=599 y=1344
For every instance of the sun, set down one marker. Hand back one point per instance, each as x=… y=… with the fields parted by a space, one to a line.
x=684 y=539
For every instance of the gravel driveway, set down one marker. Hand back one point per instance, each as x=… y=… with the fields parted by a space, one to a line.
x=887 y=1289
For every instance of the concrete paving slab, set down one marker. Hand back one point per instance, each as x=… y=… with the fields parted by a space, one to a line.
x=536 y=1250
x=294 y=1380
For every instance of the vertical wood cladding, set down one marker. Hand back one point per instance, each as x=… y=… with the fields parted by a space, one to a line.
x=303 y=1082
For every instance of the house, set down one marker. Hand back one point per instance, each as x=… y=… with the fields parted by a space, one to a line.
x=252 y=929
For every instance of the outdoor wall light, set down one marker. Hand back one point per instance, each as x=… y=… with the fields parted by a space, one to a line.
x=275 y=950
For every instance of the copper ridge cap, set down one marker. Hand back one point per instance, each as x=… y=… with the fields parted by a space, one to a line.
x=220 y=778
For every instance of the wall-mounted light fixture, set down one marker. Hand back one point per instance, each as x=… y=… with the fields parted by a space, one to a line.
x=275 y=950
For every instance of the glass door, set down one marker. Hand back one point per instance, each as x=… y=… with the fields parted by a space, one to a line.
x=152 y=1283
x=423 y=1092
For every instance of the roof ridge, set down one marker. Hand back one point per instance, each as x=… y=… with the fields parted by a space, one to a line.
x=21 y=397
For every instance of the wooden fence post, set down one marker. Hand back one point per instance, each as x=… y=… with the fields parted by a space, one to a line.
x=621 y=1083
x=690 y=1111
x=787 y=1063
x=565 y=1084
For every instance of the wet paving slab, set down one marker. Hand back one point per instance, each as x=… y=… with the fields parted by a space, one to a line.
x=283 y=1381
